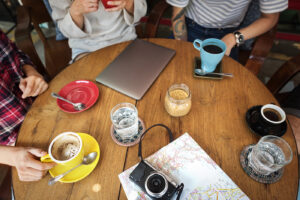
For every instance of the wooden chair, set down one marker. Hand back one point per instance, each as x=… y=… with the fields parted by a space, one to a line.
x=252 y=60
x=57 y=53
x=5 y=182
x=283 y=75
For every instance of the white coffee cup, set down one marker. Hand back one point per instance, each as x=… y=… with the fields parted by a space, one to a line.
x=278 y=111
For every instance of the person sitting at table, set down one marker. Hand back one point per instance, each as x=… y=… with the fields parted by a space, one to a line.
x=194 y=19
x=18 y=83
x=89 y=26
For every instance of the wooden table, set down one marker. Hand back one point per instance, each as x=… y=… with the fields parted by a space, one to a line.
x=216 y=122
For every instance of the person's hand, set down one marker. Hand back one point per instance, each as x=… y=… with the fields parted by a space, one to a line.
x=229 y=40
x=27 y=165
x=80 y=7
x=33 y=85
x=120 y=4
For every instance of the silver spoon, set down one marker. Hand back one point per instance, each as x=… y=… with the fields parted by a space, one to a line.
x=88 y=159
x=77 y=106
x=201 y=72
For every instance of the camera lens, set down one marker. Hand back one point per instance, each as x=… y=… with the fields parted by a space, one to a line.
x=156 y=185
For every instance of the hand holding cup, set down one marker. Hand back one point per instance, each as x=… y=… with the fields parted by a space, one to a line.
x=80 y=7
x=28 y=167
x=116 y=5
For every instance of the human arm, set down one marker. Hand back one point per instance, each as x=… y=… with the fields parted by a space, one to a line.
x=76 y=26
x=18 y=65
x=80 y=7
x=258 y=27
x=178 y=24
x=26 y=161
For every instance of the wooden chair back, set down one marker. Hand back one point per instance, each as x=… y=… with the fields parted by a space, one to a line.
x=57 y=53
x=282 y=76
x=38 y=14
x=38 y=11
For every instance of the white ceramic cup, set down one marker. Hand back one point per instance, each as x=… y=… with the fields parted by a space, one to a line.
x=276 y=108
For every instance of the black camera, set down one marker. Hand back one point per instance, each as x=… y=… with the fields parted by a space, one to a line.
x=154 y=183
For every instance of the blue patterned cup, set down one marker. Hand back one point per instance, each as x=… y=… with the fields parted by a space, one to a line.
x=211 y=52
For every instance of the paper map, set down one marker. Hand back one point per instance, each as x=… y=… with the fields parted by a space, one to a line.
x=186 y=162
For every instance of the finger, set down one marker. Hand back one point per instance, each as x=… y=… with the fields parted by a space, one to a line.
x=114 y=3
x=28 y=171
x=45 y=87
x=29 y=88
x=92 y=8
x=28 y=178
x=36 y=164
x=92 y=5
x=37 y=152
x=37 y=84
x=227 y=53
x=89 y=10
x=38 y=90
x=22 y=85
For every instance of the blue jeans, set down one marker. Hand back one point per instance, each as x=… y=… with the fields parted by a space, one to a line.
x=195 y=31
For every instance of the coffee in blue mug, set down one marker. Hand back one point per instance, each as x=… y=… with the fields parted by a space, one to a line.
x=211 y=52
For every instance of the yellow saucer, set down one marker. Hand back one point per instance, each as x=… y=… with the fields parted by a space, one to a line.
x=90 y=145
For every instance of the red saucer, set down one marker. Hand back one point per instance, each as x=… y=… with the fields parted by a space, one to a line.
x=81 y=91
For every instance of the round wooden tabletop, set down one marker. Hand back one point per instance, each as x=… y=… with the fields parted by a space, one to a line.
x=216 y=122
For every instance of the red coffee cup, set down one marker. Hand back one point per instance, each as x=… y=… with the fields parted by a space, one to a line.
x=104 y=2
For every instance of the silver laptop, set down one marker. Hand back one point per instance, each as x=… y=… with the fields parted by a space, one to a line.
x=136 y=68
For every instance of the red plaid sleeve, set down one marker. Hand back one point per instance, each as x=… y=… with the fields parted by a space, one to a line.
x=12 y=107
x=12 y=57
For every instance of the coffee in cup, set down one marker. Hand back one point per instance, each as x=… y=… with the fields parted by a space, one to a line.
x=214 y=49
x=65 y=149
x=272 y=114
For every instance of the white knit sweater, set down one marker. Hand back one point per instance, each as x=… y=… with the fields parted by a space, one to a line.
x=101 y=28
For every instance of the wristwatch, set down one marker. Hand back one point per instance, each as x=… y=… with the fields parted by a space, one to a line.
x=239 y=38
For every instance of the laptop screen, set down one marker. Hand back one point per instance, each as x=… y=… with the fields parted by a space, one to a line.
x=136 y=68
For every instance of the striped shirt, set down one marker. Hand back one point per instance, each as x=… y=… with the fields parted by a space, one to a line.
x=224 y=14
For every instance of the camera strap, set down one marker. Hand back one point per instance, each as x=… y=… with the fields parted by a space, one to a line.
x=179 y=189
x=140 y=143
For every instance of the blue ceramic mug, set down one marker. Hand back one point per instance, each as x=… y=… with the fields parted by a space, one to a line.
x=211 y=52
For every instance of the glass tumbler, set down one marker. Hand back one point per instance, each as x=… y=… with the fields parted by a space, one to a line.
x=178 y=100
x=270 y=154
x=124 y=117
